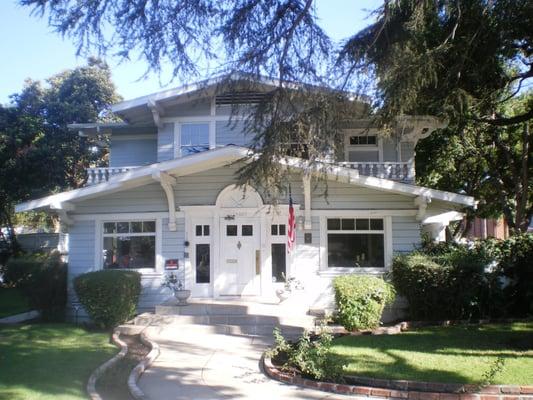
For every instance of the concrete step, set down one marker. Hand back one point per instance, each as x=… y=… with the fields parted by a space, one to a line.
x=305 y=321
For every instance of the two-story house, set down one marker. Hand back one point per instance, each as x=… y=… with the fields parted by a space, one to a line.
x=169 y=194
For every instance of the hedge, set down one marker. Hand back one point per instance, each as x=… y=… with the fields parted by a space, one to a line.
x=43 y=280
x=110 y=297
x=360 y=300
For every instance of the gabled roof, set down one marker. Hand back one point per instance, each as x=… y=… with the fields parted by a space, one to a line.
x=223 y=156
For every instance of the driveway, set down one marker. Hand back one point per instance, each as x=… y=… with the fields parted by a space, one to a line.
x=196 y=363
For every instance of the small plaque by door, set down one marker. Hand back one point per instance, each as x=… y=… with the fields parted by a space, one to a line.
x=258 y=262
x=231 y=261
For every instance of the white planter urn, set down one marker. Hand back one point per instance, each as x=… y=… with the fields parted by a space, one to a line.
x=283 y=294
x=182 y=296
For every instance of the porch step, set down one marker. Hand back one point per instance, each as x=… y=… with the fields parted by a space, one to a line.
x=304 y=321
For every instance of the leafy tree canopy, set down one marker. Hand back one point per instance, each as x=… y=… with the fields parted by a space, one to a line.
x=38 y=154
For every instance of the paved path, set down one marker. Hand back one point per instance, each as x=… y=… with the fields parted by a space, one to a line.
x=196 y=364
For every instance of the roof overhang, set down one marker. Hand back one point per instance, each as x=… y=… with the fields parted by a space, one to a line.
x=226 y=155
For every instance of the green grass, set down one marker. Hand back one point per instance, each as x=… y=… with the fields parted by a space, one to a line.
x=12 y=302
x=49 y=361
x=459 y=354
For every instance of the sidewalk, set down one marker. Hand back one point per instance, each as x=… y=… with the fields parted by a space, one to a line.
x=197 y=364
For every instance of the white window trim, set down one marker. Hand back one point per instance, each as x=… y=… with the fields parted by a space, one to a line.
x=99 y=241
x=278 y=239
x=177 y=133
x=363 y=147
x=387 y=245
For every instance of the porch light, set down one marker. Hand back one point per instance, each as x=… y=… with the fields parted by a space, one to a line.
x=300 y=222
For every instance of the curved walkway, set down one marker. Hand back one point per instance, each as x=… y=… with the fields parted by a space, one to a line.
x=195 y=363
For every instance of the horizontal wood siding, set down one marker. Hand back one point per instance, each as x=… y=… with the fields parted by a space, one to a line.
x=165 y=142
x=344 y=196
x=142 y=199
x=194 y=108
x=405 y=234
x=389 y=150
x=407 y=150
x=134 y=152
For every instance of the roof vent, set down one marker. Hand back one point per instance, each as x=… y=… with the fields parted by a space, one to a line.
x=240 y=98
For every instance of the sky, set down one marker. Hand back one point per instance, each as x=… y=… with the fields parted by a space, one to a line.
x=30 y=49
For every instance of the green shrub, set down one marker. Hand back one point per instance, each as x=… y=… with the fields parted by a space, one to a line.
x=43 y=280
x=311 y=357
x=516 y=260
x=452 y=284
x=109 y=297
x=360 y=300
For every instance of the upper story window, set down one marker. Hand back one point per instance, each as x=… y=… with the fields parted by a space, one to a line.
x=194 y=138
x=362 y=148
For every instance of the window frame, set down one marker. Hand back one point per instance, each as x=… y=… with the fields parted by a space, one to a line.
x=177 y=135
x=99 y=240
x=387 y=244
x=378 y=147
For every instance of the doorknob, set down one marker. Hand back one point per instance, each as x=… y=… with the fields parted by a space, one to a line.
x=239 y=245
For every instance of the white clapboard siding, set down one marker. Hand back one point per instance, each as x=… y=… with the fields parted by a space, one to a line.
x=132 y=152
x=165 y=142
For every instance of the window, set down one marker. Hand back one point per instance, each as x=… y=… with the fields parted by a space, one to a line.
x=247 y=230
x=203 y=263
x=129 y=244
x=202 y=230
x=355 y=243
x=363 y=140
x=278 y=230
x=194 y=138
x=231 y=230
x=362 y=148
x=279 y=262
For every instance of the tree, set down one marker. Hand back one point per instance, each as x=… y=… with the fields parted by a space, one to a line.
x=38 y=154
x=462 y=60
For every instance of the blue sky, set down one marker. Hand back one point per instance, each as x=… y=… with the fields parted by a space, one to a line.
x=30 y=49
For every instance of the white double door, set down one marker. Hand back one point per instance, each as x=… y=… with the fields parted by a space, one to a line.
x=240 y=251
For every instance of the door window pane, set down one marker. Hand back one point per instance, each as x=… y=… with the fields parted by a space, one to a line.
x=203 y=263
x=206 y=230
x=279 y=262
x=274 y=230
x=247 y=230
x=231 y=230
x=198 y=230
x=123 y=227
x=350 y=250
x=110 y=227
x=282 y=230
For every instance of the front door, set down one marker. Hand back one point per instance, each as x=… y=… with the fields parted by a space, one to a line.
x=240 y=257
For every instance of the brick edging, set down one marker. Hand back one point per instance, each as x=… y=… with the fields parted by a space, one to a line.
x=411 y=390
x=139 y=369
x=97 y=373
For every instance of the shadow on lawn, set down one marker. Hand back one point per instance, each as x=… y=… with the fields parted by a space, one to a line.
x=399 y=356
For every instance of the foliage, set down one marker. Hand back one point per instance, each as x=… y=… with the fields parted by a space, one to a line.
x=38 y=153
x=360 y=300
x=12 y=302
x=109 y=297
x=50 y=361
x=516 y=260
x=466 y=354
x=489 y=278
x=311 y=357
x=43 y=280
x=454 y=285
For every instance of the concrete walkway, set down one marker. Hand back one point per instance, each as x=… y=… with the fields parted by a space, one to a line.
x=196 y=363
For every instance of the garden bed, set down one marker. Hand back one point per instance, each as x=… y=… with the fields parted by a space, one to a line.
x=113 y=384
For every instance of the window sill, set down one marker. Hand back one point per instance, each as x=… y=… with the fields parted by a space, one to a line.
x=346 y=271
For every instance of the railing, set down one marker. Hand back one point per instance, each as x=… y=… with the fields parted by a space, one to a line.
x=398 y=171
x=99 y=175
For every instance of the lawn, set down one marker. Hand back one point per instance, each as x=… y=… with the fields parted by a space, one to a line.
x=49 y=361
x=12 y=302
x=459 y=354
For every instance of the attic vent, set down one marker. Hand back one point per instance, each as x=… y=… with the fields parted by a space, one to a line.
x=240 y=98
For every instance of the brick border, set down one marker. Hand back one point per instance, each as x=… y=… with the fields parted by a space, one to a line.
x=97 y=373
x=411 y=390
x=139 y=369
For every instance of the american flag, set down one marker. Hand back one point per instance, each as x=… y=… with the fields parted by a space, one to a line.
x=291 y=231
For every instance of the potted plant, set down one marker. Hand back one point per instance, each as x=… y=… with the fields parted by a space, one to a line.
x=178 y=289
x=290 y=284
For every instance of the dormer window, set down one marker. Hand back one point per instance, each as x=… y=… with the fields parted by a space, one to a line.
x=194 y=138
x=363 y=140
x=362 y=148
